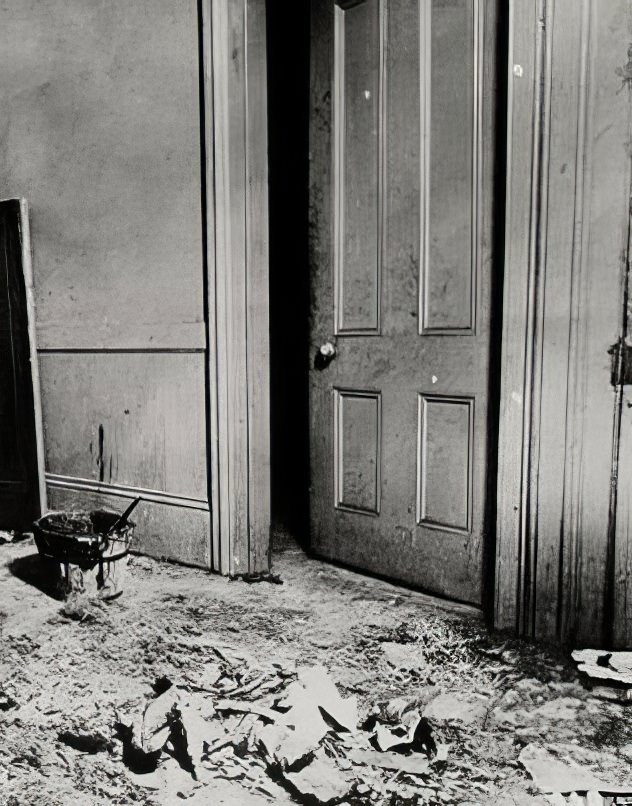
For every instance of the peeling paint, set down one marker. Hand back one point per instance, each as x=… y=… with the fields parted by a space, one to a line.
x=625 y=72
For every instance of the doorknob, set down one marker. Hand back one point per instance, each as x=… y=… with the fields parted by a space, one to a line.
x=324 y=355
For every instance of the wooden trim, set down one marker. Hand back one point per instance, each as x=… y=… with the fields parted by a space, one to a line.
x=117 y=350
x=124 y=491
x=207 y=94
x=257 y=285
x=138 y=336
x=27 y=269
x=235 y=71
x=338 y=128
x=523 y=141
x=576 y=396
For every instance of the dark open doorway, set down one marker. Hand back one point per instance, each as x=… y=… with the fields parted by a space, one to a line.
x=288 y=94
x=19 y=474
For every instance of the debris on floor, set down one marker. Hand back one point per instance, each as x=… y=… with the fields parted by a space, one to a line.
x=302 y=735
x=263 y=576
x=13 y=536
x=198 y=690
x=553 y=774
x=614 y=667
x=609 y=673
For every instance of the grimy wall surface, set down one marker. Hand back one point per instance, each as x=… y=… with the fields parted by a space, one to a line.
x=564 y=566
x=100 y=132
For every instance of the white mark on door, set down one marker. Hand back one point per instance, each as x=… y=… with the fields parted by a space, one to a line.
x=367 y=94
x=434 y=379
x=518 y=71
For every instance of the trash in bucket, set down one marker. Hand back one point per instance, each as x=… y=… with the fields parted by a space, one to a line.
x=83 y=541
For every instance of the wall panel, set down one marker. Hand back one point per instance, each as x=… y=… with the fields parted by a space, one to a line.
x=101 y=133
x=131 y=419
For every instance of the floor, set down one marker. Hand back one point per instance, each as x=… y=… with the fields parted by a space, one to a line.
x=79 y=668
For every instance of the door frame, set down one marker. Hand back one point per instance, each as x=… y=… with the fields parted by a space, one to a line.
x=235 y=182
x=555 y=64
x=519 y=315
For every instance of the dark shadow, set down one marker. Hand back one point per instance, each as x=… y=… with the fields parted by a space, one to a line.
x=19 y=472
x=288 y=130
x=498 y=217
x=43 y=574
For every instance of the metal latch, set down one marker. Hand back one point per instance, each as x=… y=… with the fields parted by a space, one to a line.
x=621 y=353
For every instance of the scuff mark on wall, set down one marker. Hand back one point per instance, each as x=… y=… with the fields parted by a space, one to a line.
x=100 y=463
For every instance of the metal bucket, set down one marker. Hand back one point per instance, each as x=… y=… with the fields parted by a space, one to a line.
x=80 y=542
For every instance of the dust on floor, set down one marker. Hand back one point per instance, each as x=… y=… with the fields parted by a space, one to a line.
x=79 y=669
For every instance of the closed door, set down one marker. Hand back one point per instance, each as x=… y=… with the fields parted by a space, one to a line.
x=402 y=148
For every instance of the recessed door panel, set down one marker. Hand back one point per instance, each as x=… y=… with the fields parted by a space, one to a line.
x=445 y=462
x=358 y=436
x=358 y=99
x=450 y=131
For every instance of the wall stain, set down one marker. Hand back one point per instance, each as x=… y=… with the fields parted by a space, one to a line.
x=100 y=463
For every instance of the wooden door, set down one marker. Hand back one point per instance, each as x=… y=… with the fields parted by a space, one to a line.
x=401 y=196
x=19 y=466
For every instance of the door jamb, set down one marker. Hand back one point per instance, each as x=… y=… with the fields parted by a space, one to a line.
x=236 y=177
x=514 y=602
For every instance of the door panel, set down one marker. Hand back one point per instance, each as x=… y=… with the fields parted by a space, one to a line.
x=401 y=179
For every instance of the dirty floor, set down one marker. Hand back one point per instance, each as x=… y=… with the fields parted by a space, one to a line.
x=81 y=668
